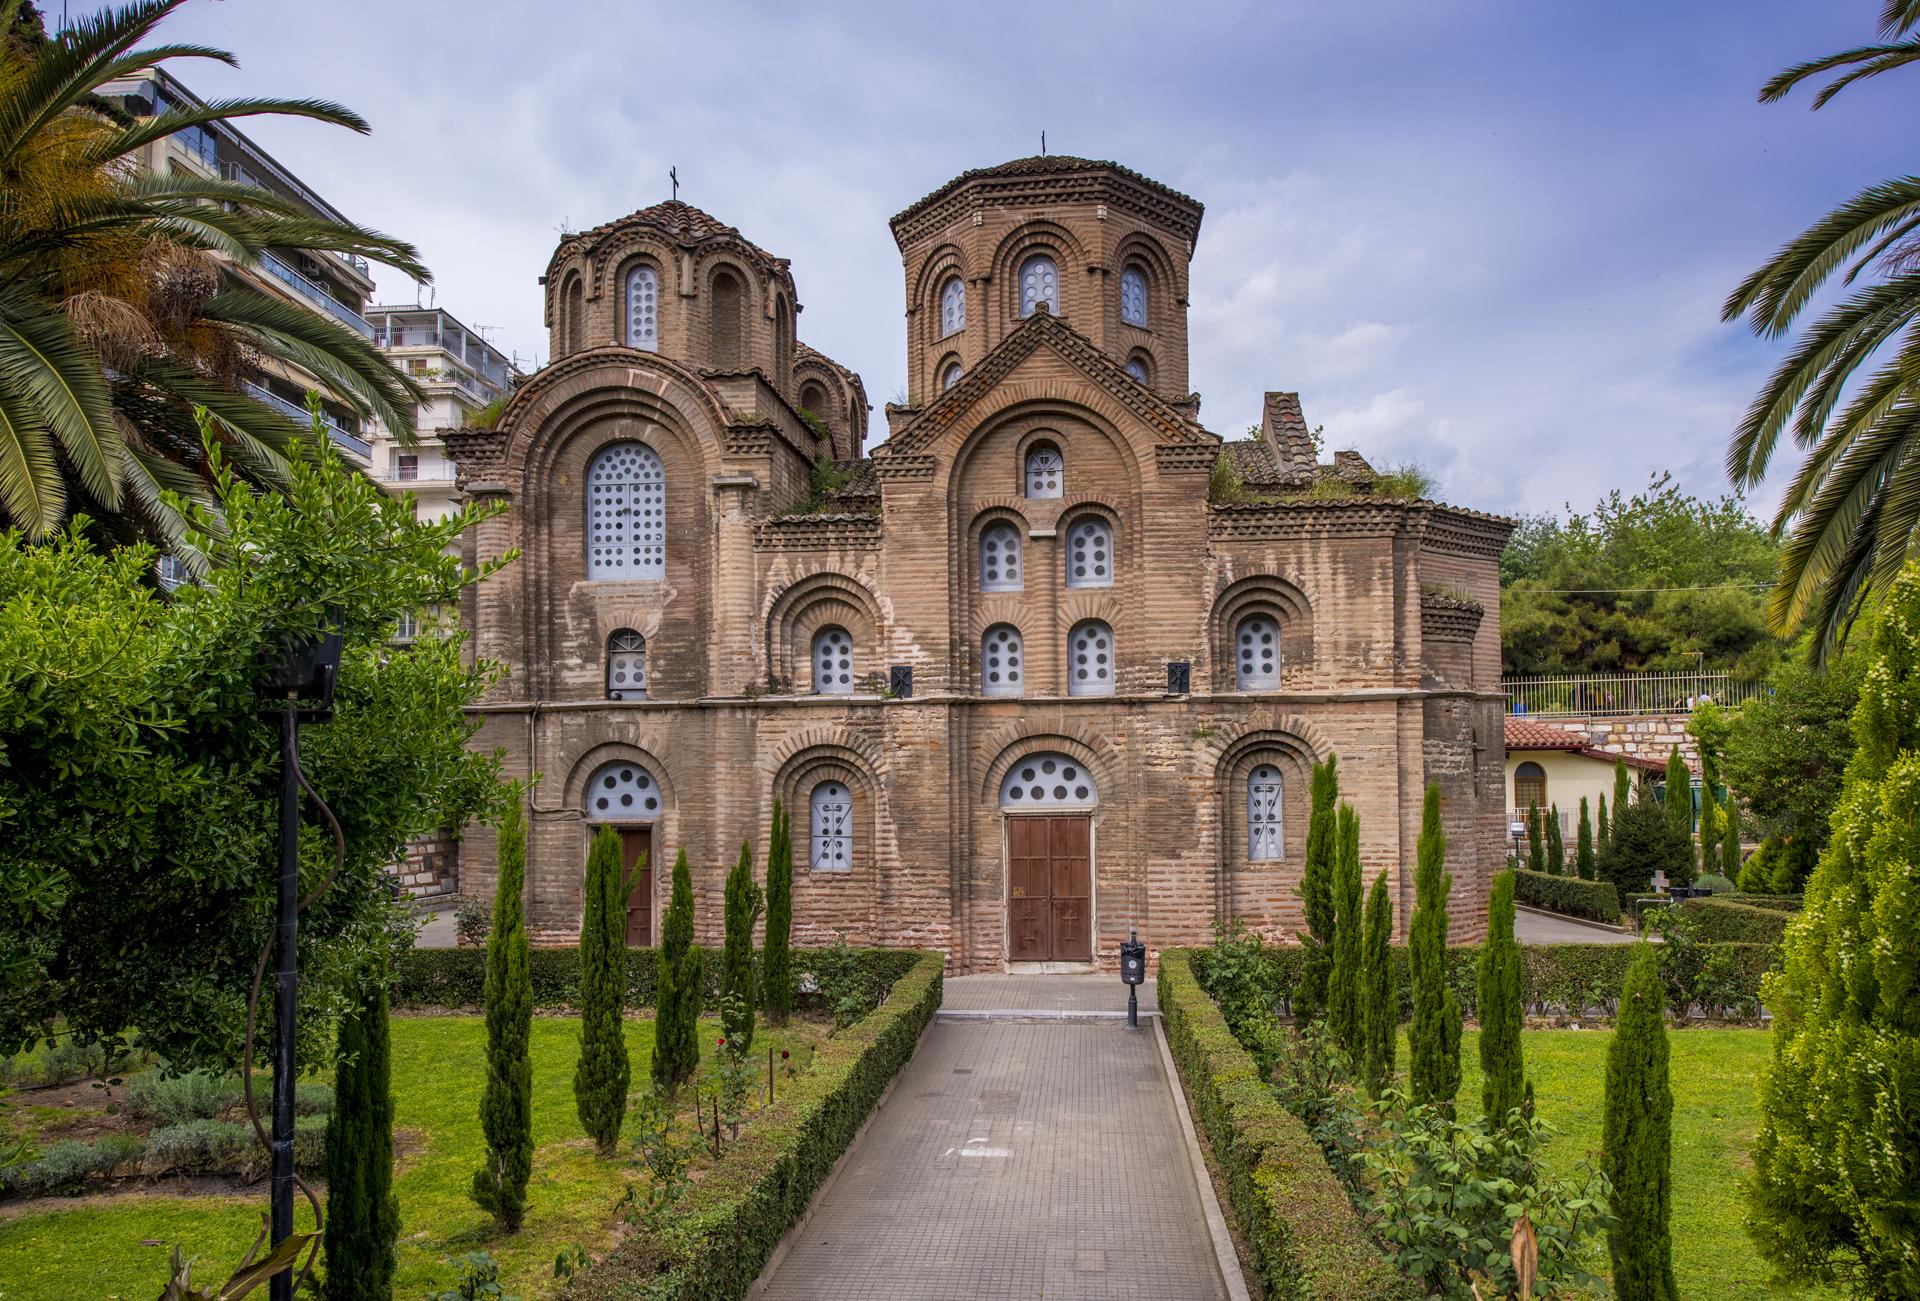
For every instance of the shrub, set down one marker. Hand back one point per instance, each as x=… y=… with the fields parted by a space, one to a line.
x=602 y=1072
x=66 y=1167
x=1583 y=859
x=1645 y=840
x=676 y=1044
x=1344 y=1008
x=173 y=1099
x=738 y=994
x=1595 y=900
x=363 y=1218
x=1381 y=1001
x=1722 y=920
x=472 y=920
x=1637 y=1138
x=1713 y=881
x=506 y=1105
x=1536 y=840
x=776 y=951
x=1434 y=1043
x=1556 y=847
x=202 y=1147
x=1502 y=1072
x=1316 y=888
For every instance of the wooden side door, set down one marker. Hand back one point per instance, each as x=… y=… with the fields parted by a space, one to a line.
x=1071 y=887
x=1029 y=888
x=636 y=860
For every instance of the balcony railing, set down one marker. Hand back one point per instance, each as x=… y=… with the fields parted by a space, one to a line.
x=419 y=474
x=1615 y=695
x=299 y=415
x=307 y=288
x=1569 y=826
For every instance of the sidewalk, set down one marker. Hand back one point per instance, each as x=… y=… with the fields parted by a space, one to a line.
x=1532 y=926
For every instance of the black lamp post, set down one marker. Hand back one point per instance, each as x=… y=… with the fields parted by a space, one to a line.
x=1133 y=970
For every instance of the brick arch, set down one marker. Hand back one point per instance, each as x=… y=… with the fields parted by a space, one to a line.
x=1232 y=736
x=614 y=288
x=829 y=901
x=1058 y=400
x=810 y=602
x=1014 y=742
x=598 y=375
x=1235 y=761
x=827 y=737
x=1070 y=261
x=645 y=750
x=1273 y=595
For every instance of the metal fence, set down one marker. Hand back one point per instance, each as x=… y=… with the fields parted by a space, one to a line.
x=1613 y=695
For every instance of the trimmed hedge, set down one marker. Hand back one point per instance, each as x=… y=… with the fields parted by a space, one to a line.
x=1786 y=903
x=731 y=1220
x=1304 y=1238
x=1597 y=900
x=1734 y=921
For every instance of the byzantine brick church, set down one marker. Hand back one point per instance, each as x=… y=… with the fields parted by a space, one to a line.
x=1048 y=664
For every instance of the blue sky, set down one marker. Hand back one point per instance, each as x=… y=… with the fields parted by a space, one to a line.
x=1489 y=235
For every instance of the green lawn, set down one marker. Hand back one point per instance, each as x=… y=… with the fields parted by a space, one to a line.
x=93 y=1250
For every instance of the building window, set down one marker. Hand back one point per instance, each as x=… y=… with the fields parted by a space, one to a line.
x=833 y=661
x=1264 y=789
x=643 y=309
x=626 y=513
x=1137 y=367
x=953 y=307
x=1529 y=787
x=1090 y=659
x=1000 y=558
x=171 y=572
x=1046 y=471
x=1090 y=553
x=1000 y=672
x=1133 y=296
x=950 y=376
x=406 y=629
x=622 y=792
x=1044 y=782
x=571 y=310
x=1039 y=283
x=406 y=466
x=729 y=323
x=1257 y=647
x=832 y=807
x=626 y=666
x=814 y=398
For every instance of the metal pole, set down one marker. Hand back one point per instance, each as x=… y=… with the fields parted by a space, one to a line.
x=284 y=982
x=1133 y=1007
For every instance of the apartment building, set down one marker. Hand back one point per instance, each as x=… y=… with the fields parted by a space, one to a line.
x=461 y=374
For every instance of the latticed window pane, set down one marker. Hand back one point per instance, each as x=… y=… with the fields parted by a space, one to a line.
x=1133 y=296
x=953 y=307
x=643 y=309
x=1000 y=558
x=1137 y=368
x=950 y=376
x=833 y=661
x=1264 y=788
x=626 y=666
x=1000 y=669
x=1046 y=472
x=1090 y=659
x=626 y=513
x=1258 y=653
x=1048 y=781
x=622 y=792
x=832 y=806
x=1039 y=283
x=1090 y=554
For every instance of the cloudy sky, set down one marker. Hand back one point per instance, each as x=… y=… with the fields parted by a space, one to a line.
x=1489 y=235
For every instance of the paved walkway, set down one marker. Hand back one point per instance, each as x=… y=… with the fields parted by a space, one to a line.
x=1531 y=926
x=1016 y=1157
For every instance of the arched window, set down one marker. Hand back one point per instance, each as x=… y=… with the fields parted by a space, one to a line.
x=950 y=376
x=833 y=661
x=1530 y=787
x=1133 y=296
x=572 y=308
x=1137 y=367
x=1264 y=789
x=1257 y=651
x=953 y=307
x=1039 y=283
x=643 y=308
x=1090 y=659
x=1047 y=781
x=626 y=513
x=1090 y=553
x=1000 y=558
x=782 y=340
x=832 y=833
x=814 y=398
x=622 y=792
x=1000 y=670
x=626 y=666
x=729 y=319
x=1046 y=471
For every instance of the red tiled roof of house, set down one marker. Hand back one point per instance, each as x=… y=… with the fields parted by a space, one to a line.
x=1532 y=734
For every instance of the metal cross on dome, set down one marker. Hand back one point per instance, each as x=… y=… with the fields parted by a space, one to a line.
x=673 y=174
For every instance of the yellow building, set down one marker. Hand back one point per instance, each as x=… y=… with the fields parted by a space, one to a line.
x=1555 y=767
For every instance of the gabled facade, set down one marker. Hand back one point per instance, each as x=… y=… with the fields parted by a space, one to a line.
x=1026 y=676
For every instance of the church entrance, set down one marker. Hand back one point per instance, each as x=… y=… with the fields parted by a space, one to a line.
x=1049 y=800
x=636 y=863
x=626 y=795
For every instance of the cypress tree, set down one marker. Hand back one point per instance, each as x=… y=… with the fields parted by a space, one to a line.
x=1603 y=827
x=1556 y=845
x=1679 y=799
x=1435 y=1039
x=1583 y=845
x=601 y=1076
x=1622 y=792
x=1730 y=842
x=776 y=956
x=1344 y=1007
x=506 y=1105
x=1636 y=1139
x=676 y=1027
x=363 y=1218
x=1536 y=843
x=1502 y=1072
x=1380 y=1000
x=1316 y=889
x=738 y=997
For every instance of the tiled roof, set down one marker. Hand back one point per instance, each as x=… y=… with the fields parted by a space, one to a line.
x=683 y=221
x=1258 y=466
x=1532 y=734
x=1043 y=165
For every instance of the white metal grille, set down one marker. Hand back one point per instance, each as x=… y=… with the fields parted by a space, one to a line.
x=833 y=662
x=622 y=792
x=1039 y=283
x=1000 y=668
x=832 y=828
x=1000 y=558
x=1133 y=296
x=1090 y=659
x=1046 y=472
x=626 y=666
x=1090 y=554
x=1264 y=788
x=1258 y=653
x=1048 y=781
x=643 y=309
x=953 y=307
x=626 y=513
x=950 y=376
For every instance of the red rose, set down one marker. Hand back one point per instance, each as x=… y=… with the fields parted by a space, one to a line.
x=783 y=1054
x=719 y=1043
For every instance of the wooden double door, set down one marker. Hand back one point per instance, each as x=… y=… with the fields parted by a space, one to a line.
x=636 y=862
x=1050 y=888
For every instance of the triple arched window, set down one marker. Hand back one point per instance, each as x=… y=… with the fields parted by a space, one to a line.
x=1090 y=553
x=1046 y=471
x=1039 y=283
x=953 y=307
x=1133 y=296
x=1090 y=659
x=626 y=666
x=1000 y=558
x=626 y=513
x=831 y=809
x=643 y=308
x=1257 y=653
x=833 y=661
x=1265 y=787
x=1001 y=671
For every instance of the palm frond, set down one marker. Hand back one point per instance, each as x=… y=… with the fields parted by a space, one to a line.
x=1865 y=61
x=45 y=361
x=1898 y=16
x=295 y=332
x=1826 y=531
x=32 y=490
x=315 y=234
x=258 y=438
x=1775 y=294
x=162 y=125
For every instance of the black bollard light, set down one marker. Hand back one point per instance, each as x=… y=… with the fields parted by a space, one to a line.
x=1133 y=970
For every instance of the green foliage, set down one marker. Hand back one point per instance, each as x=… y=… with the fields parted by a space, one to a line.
x=1833 y=1176
x=1345 y=1009
x=1536 y=840
x=1637 y=1138
x=477 y=1279
x=836 y=972
x=680 y=984
x=1622 y=789
x=1595 y=900
x=1603 y=827
x=506 y=1107
x=167 y=1099
x=1226 y=486
x=825 y=482
x=67 y=1168
x=1583 y=859
x=776 y=953
x=601 y=1076
x=1730 y=838
x=472 y=920
x=1725 y=919
x=363 y=1217
x=738 y=993
x=1407 y=479
x=1435 y=1039
x=814 y=421
x=487 y=416
x=1316 y=889
x=1556 y=846
x=1678 y=797
x=663 y=1155
x=1786 y=752
x=1645 y=841
x=1380 y=1001
x=1709 y=726
x=1502 y=1073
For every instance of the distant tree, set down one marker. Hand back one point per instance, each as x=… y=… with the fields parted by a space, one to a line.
x=1583 y=846
x=1502 y=1073
x=1556 y=846
x=506 y=1104
x=1730 y=840
x=1708 y=726
x=1622 y=788
x=1603 y=826
x=1345 y=1008
x=1316 y=890
x=676 y=1025
x=1636 y=1138
x=603 y=1071
x=1536 y=840
x=1434 y=1043
x=1380 y=1000
x=1679 y=795
x=1786 y=753
x=738 y=994
x=776 y=953
x=363 y=1218
x=1644 y=842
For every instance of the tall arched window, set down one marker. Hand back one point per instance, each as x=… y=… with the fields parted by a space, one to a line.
x=833 y=661
x=626 y=513
x=1000 y=670
x=813 y=397
x=831 y=806
x=1530 y=787
x=1000 y=558
x=643 y=308
x=953 y=307
x=1090 y=553
x=951 y=375
x=782 y=340
x=1265 y=842
x=1046 y=471
x=1048 y=781
x=1133 y=296
x=1039 y=283
x=729 y=319
x=572 y=307
x=626 y=666
x=622 y=792
x=1090 y=659
x=1257 y=653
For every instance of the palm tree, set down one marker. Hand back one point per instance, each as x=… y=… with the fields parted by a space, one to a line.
x=119 y=308
x=1850 y=514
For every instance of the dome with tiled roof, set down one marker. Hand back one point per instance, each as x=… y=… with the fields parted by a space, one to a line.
x=683 y=223
x=1042 y=166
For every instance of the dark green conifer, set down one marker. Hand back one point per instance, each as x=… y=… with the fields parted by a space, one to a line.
x=738 y=995
x=1536 y=841
x=1316 y=890
x=1583 y=855
x=506 y=1104
x=776 y=954
x=603 y=1073
x=1730 y=841
x=1679 y=799
x=1502 y=1072
x=1603 y=828
x=363 y=1218
x=1636 y=1139
x=1381 y=1001
x=1622 y=791
x=676 y=1032
x=1345 y=1014
x=1434 y=1043
x=1556 y=845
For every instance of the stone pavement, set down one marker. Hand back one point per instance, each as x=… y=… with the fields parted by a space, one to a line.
x=1015 y=1158
x=1530 y=926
